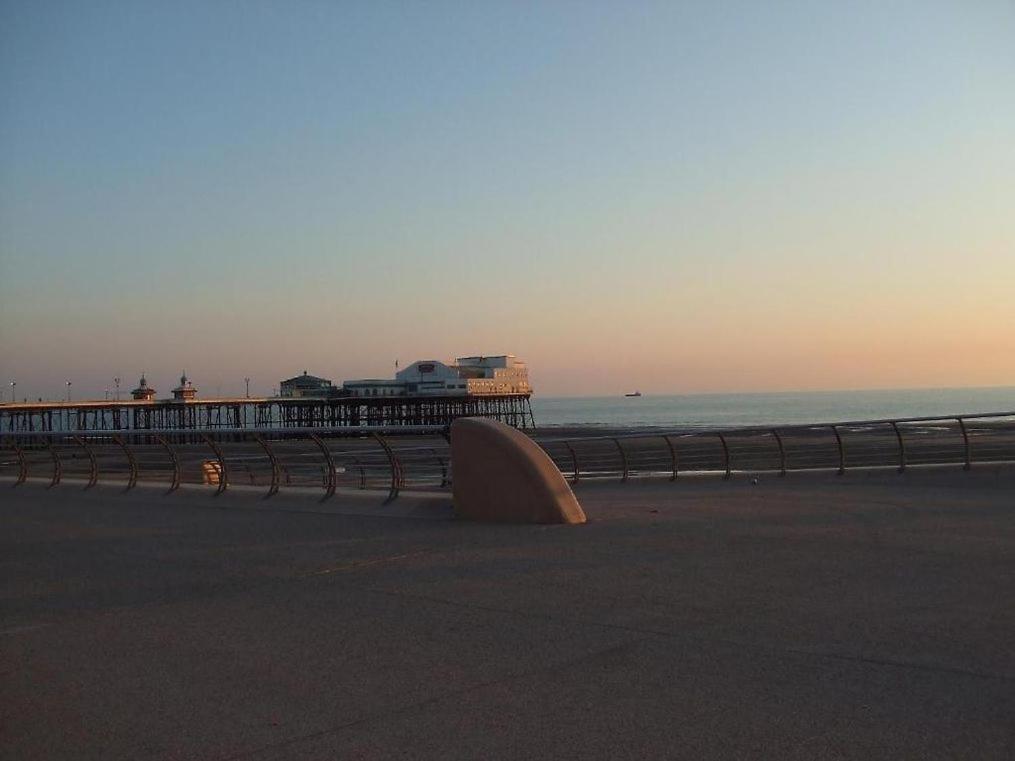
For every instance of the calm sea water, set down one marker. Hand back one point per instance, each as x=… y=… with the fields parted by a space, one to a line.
x=767 y=409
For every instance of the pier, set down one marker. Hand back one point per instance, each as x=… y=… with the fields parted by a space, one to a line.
x=262 y=413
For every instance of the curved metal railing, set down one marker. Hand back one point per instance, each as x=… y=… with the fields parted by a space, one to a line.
x=899 y=443
x=395 y=459
x=387 y=459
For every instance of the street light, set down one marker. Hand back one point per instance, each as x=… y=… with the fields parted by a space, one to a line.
x=117 y=382
x=68 y=391
x=247 y=381
x=13 y=384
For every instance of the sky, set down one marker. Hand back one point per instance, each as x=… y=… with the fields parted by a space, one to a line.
x=675 y=197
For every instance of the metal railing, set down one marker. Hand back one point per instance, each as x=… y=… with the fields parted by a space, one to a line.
x=419 y=458
x=390 y=459
x=899 y=443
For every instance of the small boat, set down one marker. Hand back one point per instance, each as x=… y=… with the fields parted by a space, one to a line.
x=636 y=393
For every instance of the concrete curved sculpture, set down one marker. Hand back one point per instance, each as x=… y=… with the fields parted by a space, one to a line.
x=500 y=475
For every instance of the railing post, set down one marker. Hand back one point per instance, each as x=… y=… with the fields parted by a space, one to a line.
x=782 y=453
x=223 y=473
x=330 y=479
x=362 y=473
x=22 y=464
x=902 y=447
x=673 y=456
x=574 y=461
x=623 y=459
x=842 y=451
x=726 y=456
x=93 y=468
x=965 y=441
x=394 y=464
x=175 y=483
x=443 y=465
x=273 y=488
x=131 y=462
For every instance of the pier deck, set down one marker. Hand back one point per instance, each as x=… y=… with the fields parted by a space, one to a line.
x=261 y=413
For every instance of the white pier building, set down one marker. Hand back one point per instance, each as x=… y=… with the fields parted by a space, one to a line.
x=501 y=374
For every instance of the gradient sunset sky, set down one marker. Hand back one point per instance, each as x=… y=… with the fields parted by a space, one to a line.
x=676 y=197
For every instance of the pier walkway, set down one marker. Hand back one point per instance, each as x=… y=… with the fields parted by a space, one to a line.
x=261 y=413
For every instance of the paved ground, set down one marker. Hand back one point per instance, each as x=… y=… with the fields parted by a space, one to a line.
x=808 y=617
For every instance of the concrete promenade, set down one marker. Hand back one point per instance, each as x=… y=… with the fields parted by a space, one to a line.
x=870 y=616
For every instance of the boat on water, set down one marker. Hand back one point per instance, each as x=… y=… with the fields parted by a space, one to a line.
x=636 y=393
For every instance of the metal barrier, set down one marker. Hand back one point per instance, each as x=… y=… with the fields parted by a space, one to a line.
x=393 y=459
x=899 y=443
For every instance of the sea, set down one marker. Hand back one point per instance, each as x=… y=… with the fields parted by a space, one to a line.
x=681 y=411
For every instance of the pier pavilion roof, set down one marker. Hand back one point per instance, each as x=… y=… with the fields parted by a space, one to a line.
x=307 y=380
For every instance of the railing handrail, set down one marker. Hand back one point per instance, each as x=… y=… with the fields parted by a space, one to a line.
x=334 y=432
x=767 y=429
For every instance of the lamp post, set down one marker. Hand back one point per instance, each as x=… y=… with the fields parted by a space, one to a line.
x=107 y=393
x=247 y=381
x=13 y=386
x=68 y=391
x=116 y=381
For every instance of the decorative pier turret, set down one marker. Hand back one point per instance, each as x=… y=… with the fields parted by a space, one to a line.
x=143 y=392
x=185 y=391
